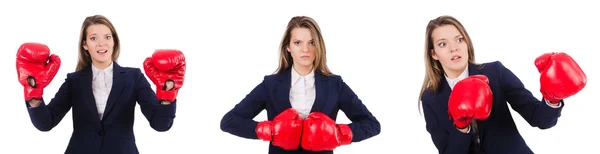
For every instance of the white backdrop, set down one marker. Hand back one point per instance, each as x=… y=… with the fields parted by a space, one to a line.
x=376 y=47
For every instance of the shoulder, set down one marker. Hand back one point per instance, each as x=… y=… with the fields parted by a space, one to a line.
x=271 y=78
x=73 y=75
x=427 y=97
x=134 y=70
x=493 y=66
x=334 y=77
x=269 y=81
x=132 y=73
x=494 y=69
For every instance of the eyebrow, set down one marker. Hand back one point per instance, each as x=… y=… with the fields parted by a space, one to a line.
x=459 y=35
x=97 y=34
x=302 y=40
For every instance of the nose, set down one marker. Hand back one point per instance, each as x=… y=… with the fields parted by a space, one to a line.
x=103 y=42
x=305 y=48
x=453 y=47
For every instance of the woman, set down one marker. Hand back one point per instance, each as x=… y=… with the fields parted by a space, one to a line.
x=473 y=96
x=101 y=92
x=302 y=100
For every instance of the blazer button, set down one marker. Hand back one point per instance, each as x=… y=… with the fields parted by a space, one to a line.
x=101 y=133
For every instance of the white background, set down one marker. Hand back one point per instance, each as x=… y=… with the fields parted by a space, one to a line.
x=376 y=47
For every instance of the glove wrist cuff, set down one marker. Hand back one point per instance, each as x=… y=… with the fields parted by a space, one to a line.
x=345 y=134
x=264 y=131
x=461 y=125
x=163 y=95
x=33 y=93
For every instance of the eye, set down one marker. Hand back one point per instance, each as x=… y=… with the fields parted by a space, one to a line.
x=93 y=38
x=460 y=39
x=108 y=37
x=297 y=42
x=312 y=43
x=442 y=44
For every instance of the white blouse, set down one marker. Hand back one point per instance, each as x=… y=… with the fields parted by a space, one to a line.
x=102 y=81
x=302 y=92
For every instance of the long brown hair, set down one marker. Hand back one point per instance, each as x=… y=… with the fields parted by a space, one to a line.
x=285 y=58
x=433 y=68
x=84 y=57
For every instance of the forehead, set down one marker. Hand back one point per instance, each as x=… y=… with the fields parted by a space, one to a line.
x=98 y=29
x=301 y=33
x=445 y=32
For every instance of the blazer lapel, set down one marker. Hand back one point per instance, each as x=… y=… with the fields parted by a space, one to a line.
x=117 y=88
x=88 y=96
x=322 y=89
x=283 y=90
x=443 y=95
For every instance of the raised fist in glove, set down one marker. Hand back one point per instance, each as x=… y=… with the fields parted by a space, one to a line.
x=166 y=69
x=560 y=76
x=36 y=68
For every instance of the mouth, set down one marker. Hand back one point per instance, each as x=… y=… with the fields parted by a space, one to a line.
x=305 y=57
x=102 y=51
x=456 y=58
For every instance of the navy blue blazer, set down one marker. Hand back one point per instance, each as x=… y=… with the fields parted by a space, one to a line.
x=114 y=133
x=498 y=134
x=332 y=95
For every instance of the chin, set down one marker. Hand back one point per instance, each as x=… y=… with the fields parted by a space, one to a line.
x=461 y=66
x=103 y=61
x=305 y=64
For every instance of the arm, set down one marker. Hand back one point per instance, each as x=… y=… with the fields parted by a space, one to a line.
x=537 y=113
x=160 y=116
x=239 y=120
x=45 y=117
x=364 y=125
x=446 y=138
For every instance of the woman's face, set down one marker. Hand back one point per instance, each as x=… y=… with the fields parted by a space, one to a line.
x=99 y=43
x=450 y=48
x=302 y=47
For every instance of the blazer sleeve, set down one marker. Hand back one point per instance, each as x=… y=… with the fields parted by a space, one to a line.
x=537 y=113
x=364 y=125
x=446 y=138
x=45 y=117
x=239 y=121
x=160 y=116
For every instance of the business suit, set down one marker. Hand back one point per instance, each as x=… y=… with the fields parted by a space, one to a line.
x=114 y=133
x=332 y=95
x=498 y=134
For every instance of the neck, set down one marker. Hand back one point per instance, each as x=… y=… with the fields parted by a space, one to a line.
x=303 y=70
x=101 y=66
x=453 y=74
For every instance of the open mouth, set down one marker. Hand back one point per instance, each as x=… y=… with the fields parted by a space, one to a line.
x=456 y=58
x=102 y=51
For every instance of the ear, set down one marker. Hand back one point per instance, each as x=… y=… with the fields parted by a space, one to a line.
x=433 y=55
x=85 y=45
x=287 y=48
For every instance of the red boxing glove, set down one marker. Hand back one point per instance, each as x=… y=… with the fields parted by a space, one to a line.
x=470 y=99
x=284 y=131
x=36 y=68
x=321 y=133
x=561 y=77
x=166 y=65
